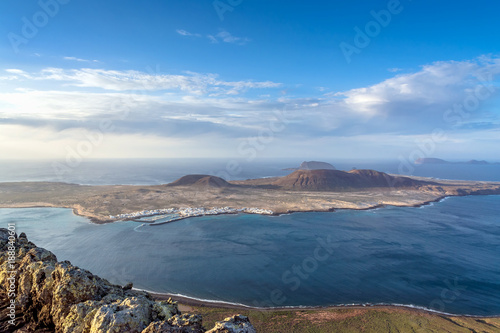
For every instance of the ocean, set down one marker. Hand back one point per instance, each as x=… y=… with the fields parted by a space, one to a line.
x=442 y=257
x=161 y=171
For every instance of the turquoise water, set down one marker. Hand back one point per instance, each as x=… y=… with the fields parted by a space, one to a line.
x=444 y=257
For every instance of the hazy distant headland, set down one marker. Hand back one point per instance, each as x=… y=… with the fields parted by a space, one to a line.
x=432 y=160
x=313 y=165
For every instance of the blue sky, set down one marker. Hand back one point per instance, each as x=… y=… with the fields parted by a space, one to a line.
x=248 y=79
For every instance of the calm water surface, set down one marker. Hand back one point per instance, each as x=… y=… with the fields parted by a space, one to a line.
x=445 y=256
x=161 y=171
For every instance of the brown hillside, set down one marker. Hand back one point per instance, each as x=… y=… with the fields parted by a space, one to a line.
x=200 y=180
x=326 y=180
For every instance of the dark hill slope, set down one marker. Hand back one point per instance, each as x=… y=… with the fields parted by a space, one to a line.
x=200 y=180
x=327 y=180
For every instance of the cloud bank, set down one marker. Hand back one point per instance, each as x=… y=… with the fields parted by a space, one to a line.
x=210 y=110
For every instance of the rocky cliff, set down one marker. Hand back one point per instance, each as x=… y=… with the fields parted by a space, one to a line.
x=40 y=294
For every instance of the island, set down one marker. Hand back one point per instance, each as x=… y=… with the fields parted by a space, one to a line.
x=320 y=190
x=313 y=165
x=432 y=160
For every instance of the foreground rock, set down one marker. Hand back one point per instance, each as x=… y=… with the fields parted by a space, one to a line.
x=238 y=323
x=52 y=296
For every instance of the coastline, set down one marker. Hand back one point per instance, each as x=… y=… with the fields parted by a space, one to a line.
x=80 y=211
x=76 y=210
x=367 y=308
x=193 y=301
x=277 y=214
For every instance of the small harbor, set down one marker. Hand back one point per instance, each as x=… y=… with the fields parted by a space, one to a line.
x=162 y=216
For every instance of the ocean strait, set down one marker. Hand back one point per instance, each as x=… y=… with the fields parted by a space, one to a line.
x=443 y=256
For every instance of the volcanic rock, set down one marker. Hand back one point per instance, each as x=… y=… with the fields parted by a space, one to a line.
x=52 y=296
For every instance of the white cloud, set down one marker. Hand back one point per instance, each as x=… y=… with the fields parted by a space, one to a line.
x=435 y=87
x=79 y=59
x=227 y=37
x=192 y=83
x=222 y=36
x=133 y=113
x=17 y=74
x=204 y=107
x=183 y=32
x=15 y=71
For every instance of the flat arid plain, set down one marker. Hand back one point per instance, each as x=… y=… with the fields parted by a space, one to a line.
x=301 y=191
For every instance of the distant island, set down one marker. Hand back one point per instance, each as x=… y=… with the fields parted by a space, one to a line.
x=432 y=160
x=196 y=195
x=313 y=165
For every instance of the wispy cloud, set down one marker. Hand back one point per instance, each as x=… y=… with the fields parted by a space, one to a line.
x=183 y=32
x=193 y=83
x=227 y=37
x=16 y=71
x=396 y=111
x=79 y=59
x=212 y=39
x=190 y=104
x=223 y=36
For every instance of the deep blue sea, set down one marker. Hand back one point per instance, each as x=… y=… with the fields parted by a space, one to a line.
x=444 y=256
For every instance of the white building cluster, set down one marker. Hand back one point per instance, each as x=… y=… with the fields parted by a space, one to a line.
x=143 y=213
x=191 y=212
x=258 y=211
x=199 y=211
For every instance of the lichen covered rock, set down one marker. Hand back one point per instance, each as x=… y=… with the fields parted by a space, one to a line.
x=179 y=324
x=54 y=296
x=234 y=324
